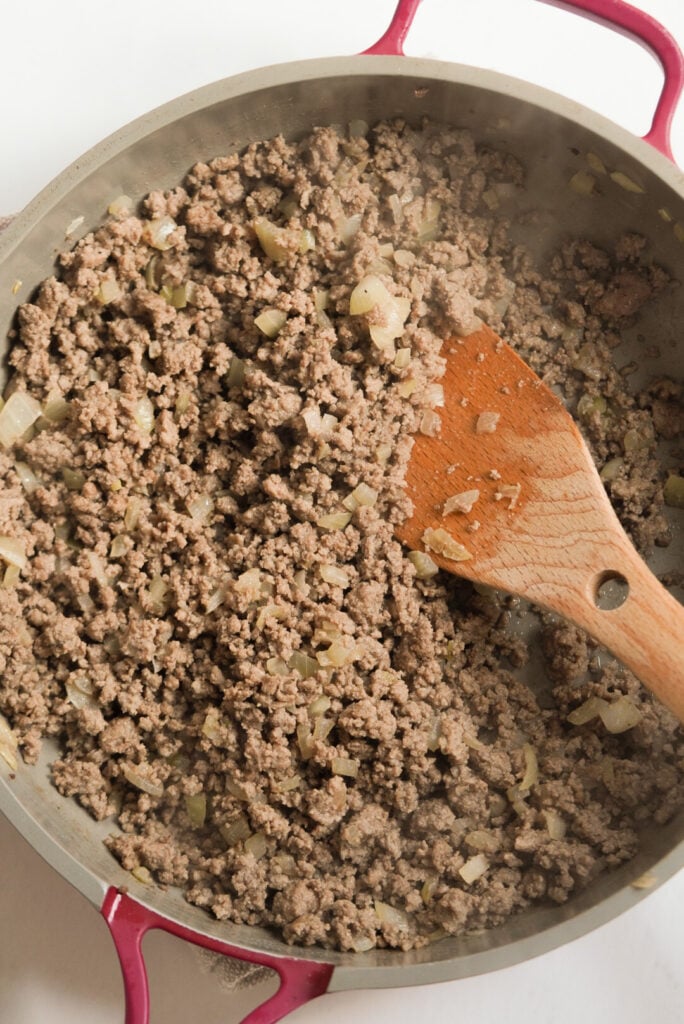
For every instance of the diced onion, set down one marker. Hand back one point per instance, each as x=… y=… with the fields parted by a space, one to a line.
x=430 y=424
x=305 y=740
x=474 y=868
x=482 y=840
x=12 y=552
x=299 y=581
x=365 y=495
x=142 y=874
x=305 y=665
x=531 y=775
x=349 y=226
x=211 y=727
x=334 y=575
x=269 y=611
x=28 y=478
x=256 y=845
x=334 y=521
x=369 y=293
x=8 y=745
x=396 y=208
x=434 y=395
x=673 y=491
x=73 y=479
x=555 y=825
x=156 y=232
x=611 y=470
x=391 y=916
x=132 y=513
x=80 y=693
x=56 y=409
x=139 y=776
x=394 y=316
x=272 y=239
x=582 y=183
x=122 y=206
x=10 y=577
x=201 y=508
x=383 y=453
x=271 y=321
x=585 y=712
x=596 y=163
x=487 y=422
x=277 y=667
x=358 y=129
x=620 y=715
x=346 y=766
x=423 y=564
x=442 y=543
x=462 y=502
x=627 y=183
x=19 y=412
x=236 y=831
x=196 y=807
x=158 y=592
x=236 y=373
x=405 y=388
x=307 y=241
x=143 y=414
x=109 y=291
x=319 y=706
x=288 y=784
x=434 y=733
x=118 y=547
x=402 y=358
x=338 y=654
x=237 y=790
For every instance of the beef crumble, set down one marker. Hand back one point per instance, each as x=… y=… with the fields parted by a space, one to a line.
x=283 y=714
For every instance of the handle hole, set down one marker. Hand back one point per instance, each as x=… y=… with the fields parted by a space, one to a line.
x=610 y=590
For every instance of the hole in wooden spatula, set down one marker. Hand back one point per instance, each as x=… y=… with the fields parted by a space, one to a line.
x=611 y=590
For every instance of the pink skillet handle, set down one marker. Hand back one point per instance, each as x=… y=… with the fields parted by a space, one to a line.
x=129 y=921
x=616 y=14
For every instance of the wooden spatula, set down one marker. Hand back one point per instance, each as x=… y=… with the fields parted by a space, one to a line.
x=542 y=526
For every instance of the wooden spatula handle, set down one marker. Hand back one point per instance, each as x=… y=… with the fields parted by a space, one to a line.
x=646 y=632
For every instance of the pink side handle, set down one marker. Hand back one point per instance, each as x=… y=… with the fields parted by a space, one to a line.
x=615 y=14
x=639 y=25
x=129 y=921
x=391 y=43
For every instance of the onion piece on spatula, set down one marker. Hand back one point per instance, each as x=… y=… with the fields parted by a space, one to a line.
x=542 y=525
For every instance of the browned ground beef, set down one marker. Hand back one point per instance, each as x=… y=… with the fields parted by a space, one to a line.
x=177 y=618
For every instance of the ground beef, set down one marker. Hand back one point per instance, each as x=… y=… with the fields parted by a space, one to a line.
x=280 y=716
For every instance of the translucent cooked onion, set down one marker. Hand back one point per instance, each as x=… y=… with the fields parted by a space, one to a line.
x=434 y=733
x=531 y=775
x=620 y=715
x=334 y=575
x=428 y=889
x=73 y=479
x=19 y=412
x=487 y=422
x=56 y=409
x=391 y=326
x=462 y=502
x=140 y=776
x=322 y=727
x=300 y=584
x=201 y=508
x=305 y=665
x=10 y=577
x=627 y=183
x=109 y=291
x=211 y=727
x=307 y=241
x=338 y=654
x=383 y=453
x=159 y=595
x=405 y=388
x=249 y=584
x=423 y=564
x=29 y=480
x=345 y=766
x=430 y=424
x=369 y=293
x=482 y=840
x=256 y=845
x=319 y=706
x=334 y=521
x=269 y=611
x=8 y=744
x=358 y=129
x=391 y=916
x=403 y=358
x=118 y=547
x=237 y=790
x=80 y=693
x=12 y=552
x=236 y=831
x=396 y=208
x=611 y=470
x=585 y=712
x=555 y=825
x=582 y=183
x=277 y=667
x=142 y=874
x=434 y=395
x=143 y=414
x=271 y=321
x=196 y=808
x=442 y=543
x=365 y=495
x=156 y=232
x=132 y=513
x=122 y=206
x=289 y=784
x=305 y=740
x=474 y=868
x=273 y=240
x=236 y=373
x=673 y=491
x=349 y=226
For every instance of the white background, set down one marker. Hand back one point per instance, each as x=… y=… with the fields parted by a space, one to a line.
x=71 y=72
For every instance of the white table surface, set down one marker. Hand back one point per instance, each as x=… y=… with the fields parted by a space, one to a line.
x=71 y=71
